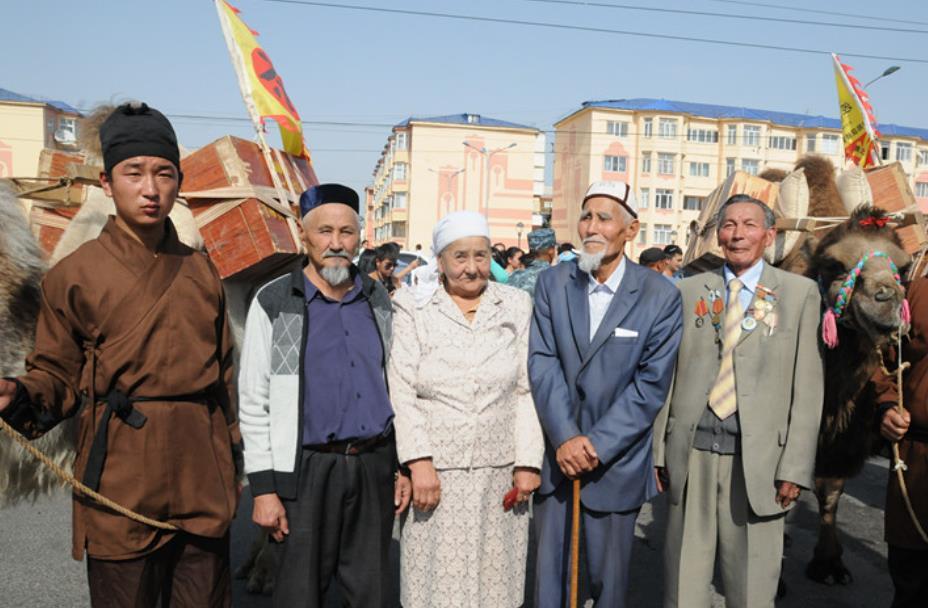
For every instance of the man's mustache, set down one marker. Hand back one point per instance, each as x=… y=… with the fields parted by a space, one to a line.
x=335 y=254
x=594 y=239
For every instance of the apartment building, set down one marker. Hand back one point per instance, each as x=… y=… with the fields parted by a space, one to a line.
x=673 y=154
x=431 y=166
x=27 y=125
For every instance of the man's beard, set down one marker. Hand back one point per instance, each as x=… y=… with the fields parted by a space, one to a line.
x=590 y=262
x=335 y=275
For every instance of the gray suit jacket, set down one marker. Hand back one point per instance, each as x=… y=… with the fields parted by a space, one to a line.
x=609 y=389
x=778 y=379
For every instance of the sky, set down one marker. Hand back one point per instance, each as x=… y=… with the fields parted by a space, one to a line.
x=373 y=69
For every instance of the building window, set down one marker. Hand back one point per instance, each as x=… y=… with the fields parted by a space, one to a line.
x=662 y=234
x=663 y=199
x=732 y=135
x=829 y=143
x=810 y=142
x=399 y=229
x=645 y=199
x=781 y=142
x=903 y=151
x=667 y=128
x=751 y=135
x=693 y=203
x=702 y=136
x=750 y=166
x=648 y=127
x=884 y=151
x=645 y=162
x=642 y=234
x=67 y=130
x=399 y=200
x=617 y=128
x=923 y=157
x=921 y=189
x=401 y=140
x=616 y=164
x=699 y=169
x=665 y=164
x=729 y=166
x=399 y=172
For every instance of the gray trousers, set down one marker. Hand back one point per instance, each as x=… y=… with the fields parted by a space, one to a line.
x=341 y=526
x=713 y=520
x=605 y=540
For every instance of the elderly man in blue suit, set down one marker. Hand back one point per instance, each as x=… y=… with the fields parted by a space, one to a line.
x=602 y=349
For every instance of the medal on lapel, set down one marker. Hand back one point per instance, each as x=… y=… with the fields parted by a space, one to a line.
x=749 y=324
x=717 y=308
x=766 y=301
x=702 y=309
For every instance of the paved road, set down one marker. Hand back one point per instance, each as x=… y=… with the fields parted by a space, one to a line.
x=37 y=572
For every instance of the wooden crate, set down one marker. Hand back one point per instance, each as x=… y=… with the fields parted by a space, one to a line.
x=59 y=163
x=48 y=224
x=230 y=190
x=891 y=191
x=702 y=249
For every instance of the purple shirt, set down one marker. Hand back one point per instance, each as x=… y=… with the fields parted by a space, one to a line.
x=345 y=391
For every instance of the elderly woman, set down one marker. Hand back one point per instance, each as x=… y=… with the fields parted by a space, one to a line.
x=465 y=426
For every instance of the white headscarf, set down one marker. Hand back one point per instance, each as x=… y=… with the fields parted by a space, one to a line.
x=458 y=225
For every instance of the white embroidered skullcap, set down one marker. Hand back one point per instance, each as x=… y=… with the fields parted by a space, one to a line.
x=458 y=225
x=618 y=191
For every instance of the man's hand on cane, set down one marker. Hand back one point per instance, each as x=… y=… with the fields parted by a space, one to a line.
x=577 y=456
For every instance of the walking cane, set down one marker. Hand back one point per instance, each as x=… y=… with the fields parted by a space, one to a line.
x=575 y=545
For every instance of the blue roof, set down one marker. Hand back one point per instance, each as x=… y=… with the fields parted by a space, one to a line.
x=6 y=95
x=805 y=121
x=462 y=119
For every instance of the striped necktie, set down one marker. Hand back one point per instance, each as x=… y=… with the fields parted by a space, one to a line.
x=722 y=399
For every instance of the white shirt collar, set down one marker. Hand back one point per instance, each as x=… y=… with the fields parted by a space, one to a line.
x=612 y=283
x=750 y=278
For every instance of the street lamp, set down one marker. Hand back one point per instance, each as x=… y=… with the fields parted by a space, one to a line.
x=890 y=70
x=520 y=226
x=486 y=171
x=673 y=237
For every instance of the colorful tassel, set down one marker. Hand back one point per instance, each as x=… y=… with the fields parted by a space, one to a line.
x=906 y=312
x=830 y=329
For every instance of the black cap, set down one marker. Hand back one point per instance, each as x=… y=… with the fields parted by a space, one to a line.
x=328 y=193
x=651 y=255
x=672 y=250
x=134 y=129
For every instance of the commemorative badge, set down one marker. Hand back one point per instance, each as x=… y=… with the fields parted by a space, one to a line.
x=702 y=309
x=749 y=324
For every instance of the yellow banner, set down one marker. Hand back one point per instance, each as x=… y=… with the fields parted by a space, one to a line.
x=856 y=119
x=262 y=88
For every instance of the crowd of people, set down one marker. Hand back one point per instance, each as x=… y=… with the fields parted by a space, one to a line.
x=498 y=390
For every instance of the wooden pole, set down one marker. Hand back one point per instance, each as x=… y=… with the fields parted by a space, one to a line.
x=575 y=545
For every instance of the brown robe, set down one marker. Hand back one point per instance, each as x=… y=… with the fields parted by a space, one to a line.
x=161 y=331
x=899 y=528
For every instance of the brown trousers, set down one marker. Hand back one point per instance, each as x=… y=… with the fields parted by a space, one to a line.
x=188 y=572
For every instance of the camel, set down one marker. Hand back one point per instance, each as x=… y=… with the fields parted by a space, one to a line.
x=869 y=323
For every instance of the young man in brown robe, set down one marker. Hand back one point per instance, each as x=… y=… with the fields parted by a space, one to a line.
x=133 y=327
x=908 y=553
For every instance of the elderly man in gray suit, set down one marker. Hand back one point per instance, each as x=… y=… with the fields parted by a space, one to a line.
x=603 y=343
x=736 y=440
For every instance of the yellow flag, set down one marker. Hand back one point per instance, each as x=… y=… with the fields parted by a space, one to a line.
x=262 y=88
x=857 y=121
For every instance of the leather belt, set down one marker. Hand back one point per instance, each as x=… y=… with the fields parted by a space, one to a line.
x=350 y=447
x=120 y=405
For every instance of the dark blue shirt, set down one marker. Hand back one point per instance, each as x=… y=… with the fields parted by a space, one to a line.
x=345 y=393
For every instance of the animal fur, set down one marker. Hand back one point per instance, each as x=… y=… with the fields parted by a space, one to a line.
x=21 y=269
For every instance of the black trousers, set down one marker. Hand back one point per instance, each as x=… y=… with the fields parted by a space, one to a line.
x=187 y=572
x=909 y=571
x=341 y=525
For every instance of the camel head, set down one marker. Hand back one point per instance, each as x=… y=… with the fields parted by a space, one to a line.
x=859 y=265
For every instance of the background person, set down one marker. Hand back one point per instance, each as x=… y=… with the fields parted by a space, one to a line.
x=466 y=428
x=543 y=250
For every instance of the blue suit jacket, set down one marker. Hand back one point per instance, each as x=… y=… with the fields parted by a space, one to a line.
x=610 y=389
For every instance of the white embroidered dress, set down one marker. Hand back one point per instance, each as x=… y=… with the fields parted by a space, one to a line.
x=461 y=395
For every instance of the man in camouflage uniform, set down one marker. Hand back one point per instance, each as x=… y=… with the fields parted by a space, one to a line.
x=543 y=249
